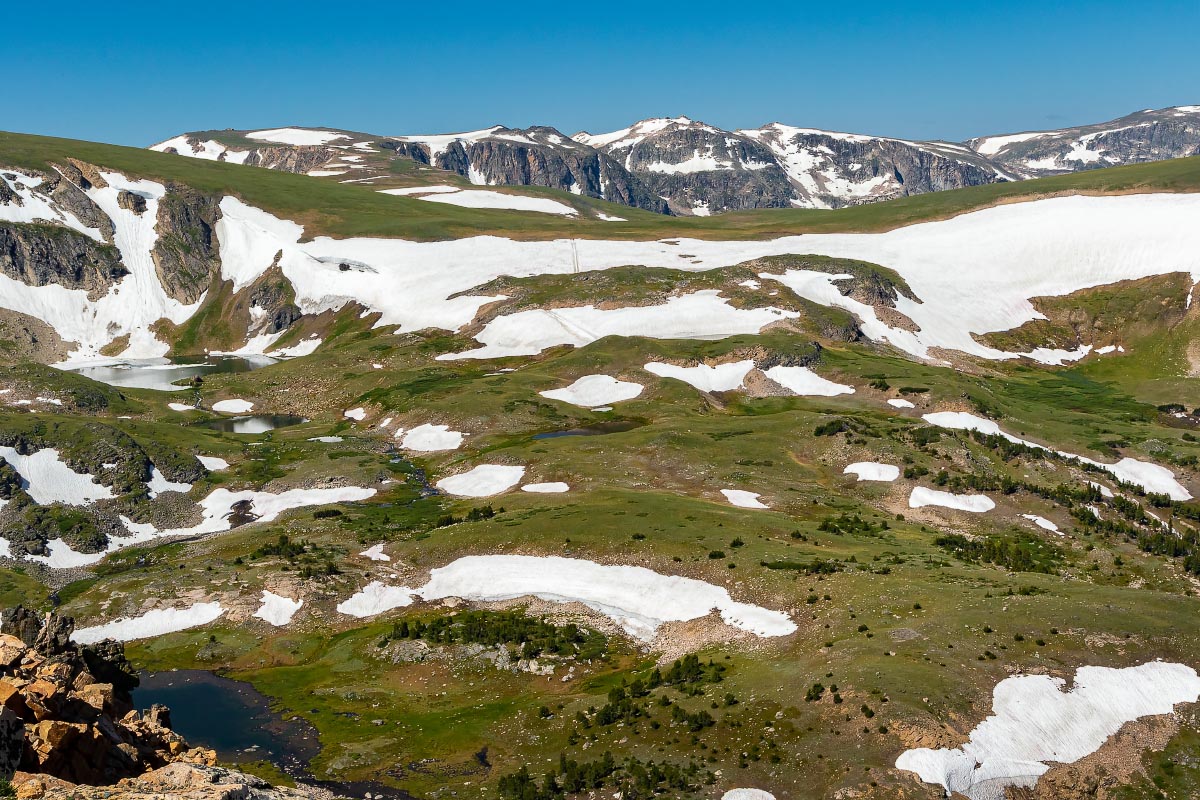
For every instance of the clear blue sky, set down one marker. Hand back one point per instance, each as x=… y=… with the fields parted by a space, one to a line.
x=135 y=72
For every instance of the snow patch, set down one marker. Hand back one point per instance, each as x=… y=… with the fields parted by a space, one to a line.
x=595 y=390
x=1041 y=522
x=556 y=487
x=873 y=471
x=1037 y=720
x=803 y=381
x=151 y=624
x=277 y=609
x=636 y=598
x=484 y=480
x=232 y=406
x=743 y=499
x=375 y=553
x=48 y=480
x=720 y=378
x=429 y=438
x=976 y=503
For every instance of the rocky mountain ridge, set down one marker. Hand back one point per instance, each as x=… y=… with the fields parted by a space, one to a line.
x=686 y=167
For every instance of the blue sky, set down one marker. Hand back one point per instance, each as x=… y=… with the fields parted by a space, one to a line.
x=134 y=73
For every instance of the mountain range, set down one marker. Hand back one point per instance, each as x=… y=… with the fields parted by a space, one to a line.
x=682 y=166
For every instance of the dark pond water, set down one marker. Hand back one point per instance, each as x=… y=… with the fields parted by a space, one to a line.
x=236 y=721
x=163 y=374
x=252 y=423
x=617 y=426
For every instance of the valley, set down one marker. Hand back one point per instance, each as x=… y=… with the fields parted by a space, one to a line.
x=510 y=504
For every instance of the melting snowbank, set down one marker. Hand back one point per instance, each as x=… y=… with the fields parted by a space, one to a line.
x=592 y=391
x=216 y=510
x=743 y=499
x=232 y=406
x=872 y=471
x=721 y=378
x=150 y=624
x=277 y=609
x=922 y=496
x=700 y=315
x=1151 y=477
x=484 y=480
x=430 y=438
x=48 y=480
x=803 y=381
x=483 y=198
x=556 y=487
x=1036 y=722
x=638 y=599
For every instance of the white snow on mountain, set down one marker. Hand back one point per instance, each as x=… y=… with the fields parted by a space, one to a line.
x=297 y=136
x=479 y=198
x=638 y=599
x=207 y=149
x=1037 y=721
x=437 y=143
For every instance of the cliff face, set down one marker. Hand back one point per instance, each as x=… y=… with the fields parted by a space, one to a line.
x=1150 y=135
x=40 y=255
x=537 y=156
x=186 y=254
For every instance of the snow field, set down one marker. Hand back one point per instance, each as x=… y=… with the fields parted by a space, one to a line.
x=976 y=503
x=719 y=378
x=429 y=438
x=151 y=624
x=484 y=480
x=276 y=609
x=803 y=381
x=48 y=480
x=592 y=391
x=1037 y=720
x=873 y=471
x=638 y=599
x=743 y=498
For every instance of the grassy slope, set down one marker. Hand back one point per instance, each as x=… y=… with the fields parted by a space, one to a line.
x=342 y=210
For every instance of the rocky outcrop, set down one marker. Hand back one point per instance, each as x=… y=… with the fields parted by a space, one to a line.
x=41 y=255
x=187 y=254
x=68 y=711
x=290 y=158
x=270 y=302
x=25 y=338
x=176 y=781
x=538 y=156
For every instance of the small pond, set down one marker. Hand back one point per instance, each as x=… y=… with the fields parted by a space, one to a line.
x=616 y=426
x=236 y=721
x=252 y=423
x=164 y=373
